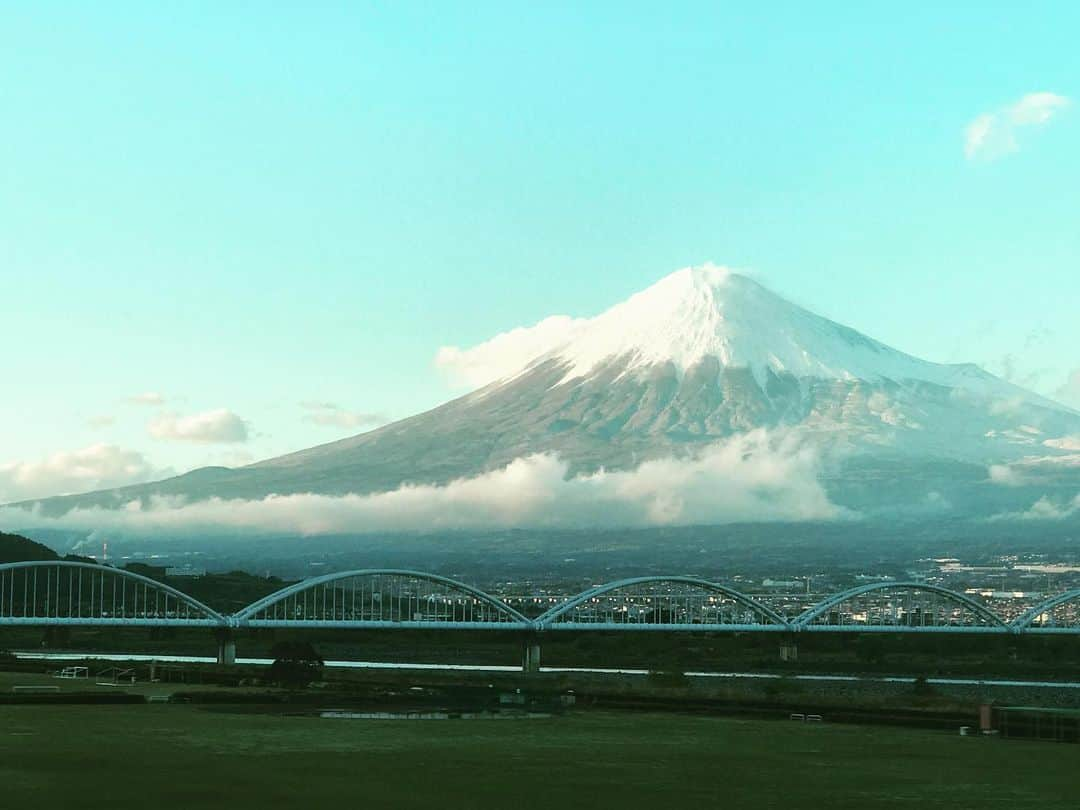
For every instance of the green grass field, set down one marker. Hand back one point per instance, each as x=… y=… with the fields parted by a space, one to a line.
x=165 y=756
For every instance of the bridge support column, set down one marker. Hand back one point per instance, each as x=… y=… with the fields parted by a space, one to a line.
x=530 y=654
x=226 y=649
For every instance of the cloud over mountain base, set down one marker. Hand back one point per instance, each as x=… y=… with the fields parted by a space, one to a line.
x=98 y=466
x=753 y=477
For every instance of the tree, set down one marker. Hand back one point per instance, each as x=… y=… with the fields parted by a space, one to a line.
x=16 y=548
x=870 y=649
x=296 y=664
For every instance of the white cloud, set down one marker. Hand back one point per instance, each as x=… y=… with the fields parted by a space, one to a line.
x=1045 y=509
x=1011 y=406
x=332 y=415
x=936 y=502
x=100 y=466
x=1069 y=393
x=1006 y=476
x=754 y=477
x=219 y=426
x=1070 y=443
x=151 y=398
x=977 y=135
x=506 y=353
x=995 y=134
x=1036 y=108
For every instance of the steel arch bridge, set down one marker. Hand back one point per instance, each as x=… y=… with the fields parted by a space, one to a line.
x=86 y=594
x=900 y=606
x=382 y=598
x=56 y=592
x=681 y=603
x=1046 y=617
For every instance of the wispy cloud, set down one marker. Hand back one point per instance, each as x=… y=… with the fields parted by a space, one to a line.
x=1069 y=393
x=996 y=134
x=150 y=398
x=1068 y=443
x=754 y=477
x=99 y=466
x=333 y=415
x=506 y=353
x=101 y=421
x=220 y=426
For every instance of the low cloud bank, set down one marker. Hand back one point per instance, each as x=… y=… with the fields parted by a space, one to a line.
x=1045 y=508
x=99 y=466
x=753 y=477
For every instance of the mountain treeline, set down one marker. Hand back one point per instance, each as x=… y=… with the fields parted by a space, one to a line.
x=16 y=548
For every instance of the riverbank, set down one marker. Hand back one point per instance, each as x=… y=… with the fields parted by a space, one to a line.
x=195 y=756
x=938 y=703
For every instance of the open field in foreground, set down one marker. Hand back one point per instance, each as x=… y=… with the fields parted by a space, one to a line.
x=185 y=756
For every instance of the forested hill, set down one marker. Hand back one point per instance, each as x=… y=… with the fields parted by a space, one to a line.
x=16 y=548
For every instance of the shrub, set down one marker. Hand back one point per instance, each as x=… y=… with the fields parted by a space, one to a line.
x=296 y=664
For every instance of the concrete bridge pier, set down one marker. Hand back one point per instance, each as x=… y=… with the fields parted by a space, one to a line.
x=226 y=650
x=530 y=654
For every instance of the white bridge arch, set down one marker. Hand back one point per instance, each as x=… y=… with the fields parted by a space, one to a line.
x=63 y=592
x=66 y=592
x=1043 y=619
x=662 y=603
x=381 y=598
x=877 y=607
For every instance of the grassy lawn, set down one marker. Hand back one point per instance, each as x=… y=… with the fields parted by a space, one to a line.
x=99 y=684
x=186 y=757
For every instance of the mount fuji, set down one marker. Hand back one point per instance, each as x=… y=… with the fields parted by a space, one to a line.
x=701 y=356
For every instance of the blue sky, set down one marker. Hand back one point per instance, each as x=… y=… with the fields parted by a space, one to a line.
x=250 y=209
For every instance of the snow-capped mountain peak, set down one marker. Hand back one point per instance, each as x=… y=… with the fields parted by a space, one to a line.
x=712 y=311
x=699 y=312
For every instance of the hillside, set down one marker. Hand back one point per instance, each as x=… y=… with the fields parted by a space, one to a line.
x=16 y=548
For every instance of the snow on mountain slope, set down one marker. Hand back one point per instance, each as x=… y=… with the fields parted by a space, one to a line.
x=710 y=311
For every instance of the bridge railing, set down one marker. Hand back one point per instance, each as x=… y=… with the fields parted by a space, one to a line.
x=661 y=603
x=1058 y=614
x=900 y=606
x=78 y=593
x=394 y=598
